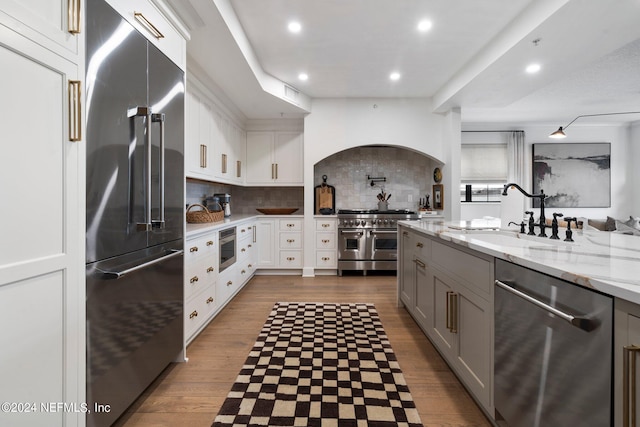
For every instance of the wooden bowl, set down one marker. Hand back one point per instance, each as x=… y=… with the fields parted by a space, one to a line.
x=277 y=211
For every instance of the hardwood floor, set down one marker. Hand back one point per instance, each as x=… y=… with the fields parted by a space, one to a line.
x=190 y=394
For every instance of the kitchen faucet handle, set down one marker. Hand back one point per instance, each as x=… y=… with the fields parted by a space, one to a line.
x=569 y=233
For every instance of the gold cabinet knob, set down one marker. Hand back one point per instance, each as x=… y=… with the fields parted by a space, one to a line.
x=210 y=270
x=194 y=279
x=209 y=300
x=193 y=249
x=193 y=314
x=210 y=243
x=229 y=283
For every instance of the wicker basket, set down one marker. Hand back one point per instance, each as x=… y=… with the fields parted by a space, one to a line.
x=204 y=215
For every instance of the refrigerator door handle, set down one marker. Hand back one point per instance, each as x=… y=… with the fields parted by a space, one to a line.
x=159 y=118
x=145 y=112
x=114 y=275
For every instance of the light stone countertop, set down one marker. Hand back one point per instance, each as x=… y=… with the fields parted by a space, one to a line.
x=234 y=219
x=604 y=261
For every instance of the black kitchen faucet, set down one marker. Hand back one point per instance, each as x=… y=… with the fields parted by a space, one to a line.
x=542 y=223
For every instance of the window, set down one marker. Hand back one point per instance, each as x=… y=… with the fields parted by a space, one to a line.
x=483 y=172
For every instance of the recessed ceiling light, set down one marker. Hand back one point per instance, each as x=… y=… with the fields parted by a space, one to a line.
x=394 y=76
x=303 y=76
x=533 y=68
x=424 y=25
x=294 y=27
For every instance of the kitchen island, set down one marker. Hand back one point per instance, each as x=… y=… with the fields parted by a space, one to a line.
x=447 y=282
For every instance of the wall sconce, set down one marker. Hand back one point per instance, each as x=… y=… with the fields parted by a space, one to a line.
x=559 y=134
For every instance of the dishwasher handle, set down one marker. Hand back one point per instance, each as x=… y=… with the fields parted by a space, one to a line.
x=579 y=322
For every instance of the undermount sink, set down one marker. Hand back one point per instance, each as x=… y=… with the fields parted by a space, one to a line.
x=508 y=238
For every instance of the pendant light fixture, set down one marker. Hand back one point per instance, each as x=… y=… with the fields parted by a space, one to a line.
x=559 y=134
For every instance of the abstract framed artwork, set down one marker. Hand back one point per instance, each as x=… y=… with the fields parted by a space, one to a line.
x=574 y=175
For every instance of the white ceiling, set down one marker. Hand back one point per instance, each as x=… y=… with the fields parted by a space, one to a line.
x=473 y=57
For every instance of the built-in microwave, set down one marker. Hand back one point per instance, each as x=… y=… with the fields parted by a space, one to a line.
x=227 y=239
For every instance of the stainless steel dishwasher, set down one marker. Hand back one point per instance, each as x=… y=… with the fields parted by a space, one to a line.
x=553 y=351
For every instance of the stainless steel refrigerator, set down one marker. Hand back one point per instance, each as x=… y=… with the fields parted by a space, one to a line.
x=135 y=212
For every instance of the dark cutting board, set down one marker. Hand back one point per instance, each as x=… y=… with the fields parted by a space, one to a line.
x=324 y=198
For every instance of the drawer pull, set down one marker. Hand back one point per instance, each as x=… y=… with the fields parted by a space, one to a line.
x=210 y=270
x=210 y=243
x=148 y=25
x=290 y=240
x=242 y=230
x=249 y=246
x=325 y=258
x=243 y=250
x=243 y=272
x=419 y=245
x=628 y=385
x=420 y=263
x=326 y=225
x=229 y=283
x=193 y=279
x=290 y=258
x=193 y=249
x=193 y=314
x=325 y=240
x=291 y=225
x=74 y=16
x=249 y=265
x=405 y=233
x=209 y=300
x=75 y=114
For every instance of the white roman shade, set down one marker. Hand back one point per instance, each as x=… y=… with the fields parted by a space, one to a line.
x=483 y=163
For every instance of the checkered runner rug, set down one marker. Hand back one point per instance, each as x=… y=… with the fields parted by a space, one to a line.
x=319 y=364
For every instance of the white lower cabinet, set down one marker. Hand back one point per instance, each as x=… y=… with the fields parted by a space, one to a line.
x=445 y=290
x=207 y=290
x=626 y=345
x=279 y=242
x=326 y=235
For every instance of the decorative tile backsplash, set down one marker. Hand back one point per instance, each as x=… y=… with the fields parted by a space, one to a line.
x=245 y=200
x=407 y=173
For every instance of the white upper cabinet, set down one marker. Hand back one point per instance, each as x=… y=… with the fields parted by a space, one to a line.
x=275 y=158
x=54 y=23
x=155 y=26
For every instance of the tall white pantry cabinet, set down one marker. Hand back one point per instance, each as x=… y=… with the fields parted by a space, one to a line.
x=42 y=221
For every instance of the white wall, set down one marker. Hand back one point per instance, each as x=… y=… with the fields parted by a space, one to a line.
x=624 y=155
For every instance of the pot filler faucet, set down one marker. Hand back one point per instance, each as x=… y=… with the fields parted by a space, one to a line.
x=542 y=224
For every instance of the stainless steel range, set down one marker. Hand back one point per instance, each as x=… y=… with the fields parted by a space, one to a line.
x=367 y=239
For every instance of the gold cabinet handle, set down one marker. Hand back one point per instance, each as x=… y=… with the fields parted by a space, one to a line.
x=249 y=266
x=249 y=245
x=224 y=163
x=290 y=258
x=243 y=272
x=229 y=283
x=325 y=258
x=193 y=314
x=210 y=243
x=405 y=233
x=148 y=25
x=290 y=240
x=210 y=270
x=420 y=263
x=74 y=16
x=325 y=240
x=272 y=174
x=203 y=156
x=238 y=169
x=194 y=279
x=419 y=245
x=291 y=225
x=75 y=112
x=243 y=250
x=276 y=171
x=242 y=230
x=326 y=225
x=629 y=385
x=209 y=300
x=193 y=249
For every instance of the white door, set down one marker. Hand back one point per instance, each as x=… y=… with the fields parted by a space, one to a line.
x=288 y=157
x=260 y=167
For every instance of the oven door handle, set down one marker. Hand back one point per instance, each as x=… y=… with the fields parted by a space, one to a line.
x=384 y=232
x=579 y=322
x=358 y=232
